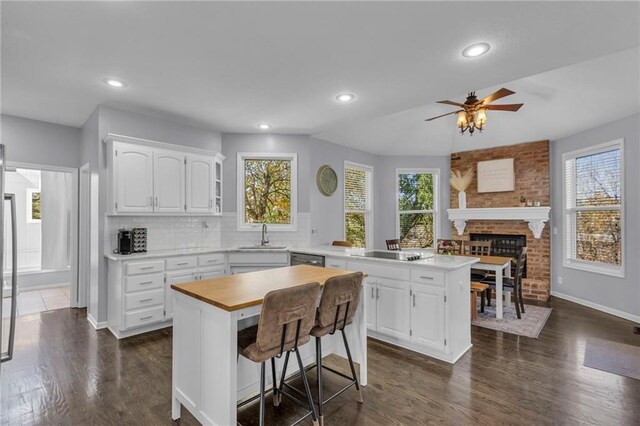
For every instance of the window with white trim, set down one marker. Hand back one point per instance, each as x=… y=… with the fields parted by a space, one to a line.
x=417 y=207
x=594 y=208
x=267 y=192
x=358 y=202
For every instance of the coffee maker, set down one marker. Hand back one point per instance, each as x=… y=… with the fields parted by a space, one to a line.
x=125 y=242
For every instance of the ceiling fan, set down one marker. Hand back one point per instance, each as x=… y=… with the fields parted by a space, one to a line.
x=473 y=115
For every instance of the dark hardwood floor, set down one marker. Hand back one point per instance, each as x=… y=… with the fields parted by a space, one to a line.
x=64 y=372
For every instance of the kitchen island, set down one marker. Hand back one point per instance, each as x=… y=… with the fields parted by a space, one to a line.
x=209 y=378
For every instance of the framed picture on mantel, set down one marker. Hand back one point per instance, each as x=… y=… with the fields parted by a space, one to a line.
x=496 y=175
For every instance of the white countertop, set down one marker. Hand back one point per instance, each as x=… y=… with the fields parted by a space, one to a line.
x=437 y=261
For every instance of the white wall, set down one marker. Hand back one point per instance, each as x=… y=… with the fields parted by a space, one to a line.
x=616 y=295
x=37 y=142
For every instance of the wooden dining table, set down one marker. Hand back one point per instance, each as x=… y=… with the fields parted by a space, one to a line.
x=501 y=266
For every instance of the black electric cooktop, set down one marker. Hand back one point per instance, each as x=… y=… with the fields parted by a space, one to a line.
x=393 y=255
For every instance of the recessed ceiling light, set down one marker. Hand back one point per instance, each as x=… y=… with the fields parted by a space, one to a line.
x=264 y=126
x=476 y=50
x=345 y=97
x=114 y=83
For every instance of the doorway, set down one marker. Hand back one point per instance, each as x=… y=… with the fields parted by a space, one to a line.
x=46 y=223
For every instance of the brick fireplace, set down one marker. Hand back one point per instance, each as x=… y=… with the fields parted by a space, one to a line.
x=532 y=182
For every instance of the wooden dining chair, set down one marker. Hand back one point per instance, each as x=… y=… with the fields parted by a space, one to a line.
x=479 y=248
x=342 y=243
x=393 y=245
x=449 y=246
x=514 y=282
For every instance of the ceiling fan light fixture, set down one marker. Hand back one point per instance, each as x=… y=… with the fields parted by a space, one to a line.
x=462 y=119
x=480 y=118
x=476 y=50
x=264 y=126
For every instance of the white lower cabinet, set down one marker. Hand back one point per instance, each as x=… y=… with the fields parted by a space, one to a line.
x=406 y=312
x=427 y=316
x=242 y=262
x=178 y=277
x=140 y=294
x=393 y=317
x=370 y=302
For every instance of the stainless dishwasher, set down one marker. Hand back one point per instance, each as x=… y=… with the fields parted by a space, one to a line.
x=306 y=259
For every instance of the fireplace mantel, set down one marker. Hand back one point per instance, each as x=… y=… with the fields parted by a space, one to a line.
x=535 y=216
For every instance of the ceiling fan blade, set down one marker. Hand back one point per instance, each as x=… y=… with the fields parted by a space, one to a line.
x=496 y=95
x=508 y=107
x=451 y=103
x=443 y=115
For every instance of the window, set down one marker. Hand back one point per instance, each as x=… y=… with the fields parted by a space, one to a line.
x=593 y=209
x=34 y=213
x=358 y=202
x=267 y=191
x=417 y=207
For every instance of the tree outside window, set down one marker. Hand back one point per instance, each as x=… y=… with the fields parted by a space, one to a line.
x=593 y=208
x=417 y=195
x=267 y=194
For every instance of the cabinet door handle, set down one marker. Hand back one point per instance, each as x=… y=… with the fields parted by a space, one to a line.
x=146 y=282
x=147 y=267
x=156 y=201
x=151 y=201
x=414 y=300
x=426 y=278
x=373 y=293
x=145 y=300
x=182 y=263
x=146 y=318
x=377 y=293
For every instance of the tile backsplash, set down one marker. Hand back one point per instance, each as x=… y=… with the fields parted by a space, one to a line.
x=231 y=237
x=168 y=232
x=176 y=233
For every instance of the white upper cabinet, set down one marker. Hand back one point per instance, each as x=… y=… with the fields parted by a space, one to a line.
x=148 y=178
x=133 y=176
x=200 y=184
x=169 y=182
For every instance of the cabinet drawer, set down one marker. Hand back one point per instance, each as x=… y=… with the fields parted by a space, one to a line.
x=259 y=259
x=143 y=317
x=144 y=267
x=143 y=299
x=331 y=262
x=181 y=263
x=380 y=270
x=211 y=259
x=143 y=282
x=427 y=277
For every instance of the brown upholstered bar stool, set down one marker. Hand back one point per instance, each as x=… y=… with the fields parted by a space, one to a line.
x=338 y=305
x=286 y=319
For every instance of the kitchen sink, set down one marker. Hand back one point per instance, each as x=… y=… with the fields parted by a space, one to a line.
x=259 y=247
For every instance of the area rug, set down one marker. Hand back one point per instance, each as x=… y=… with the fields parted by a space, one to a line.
x=613 y=357
x=531 y=324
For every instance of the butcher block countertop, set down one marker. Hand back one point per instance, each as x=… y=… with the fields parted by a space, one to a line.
x=234 y=292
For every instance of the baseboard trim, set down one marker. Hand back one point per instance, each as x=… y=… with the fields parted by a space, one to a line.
x=97 y=325
x=605 y=309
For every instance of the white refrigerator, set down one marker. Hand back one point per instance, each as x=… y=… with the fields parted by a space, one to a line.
x=8 y=326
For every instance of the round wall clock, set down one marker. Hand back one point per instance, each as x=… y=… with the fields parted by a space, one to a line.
x=327 y=180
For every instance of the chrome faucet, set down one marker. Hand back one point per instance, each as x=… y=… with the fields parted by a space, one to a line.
x=265 y=237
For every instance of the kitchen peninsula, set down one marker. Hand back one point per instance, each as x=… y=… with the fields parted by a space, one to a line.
x=422 y=305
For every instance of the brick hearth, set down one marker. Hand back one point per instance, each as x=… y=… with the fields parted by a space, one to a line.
x=532 y=182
